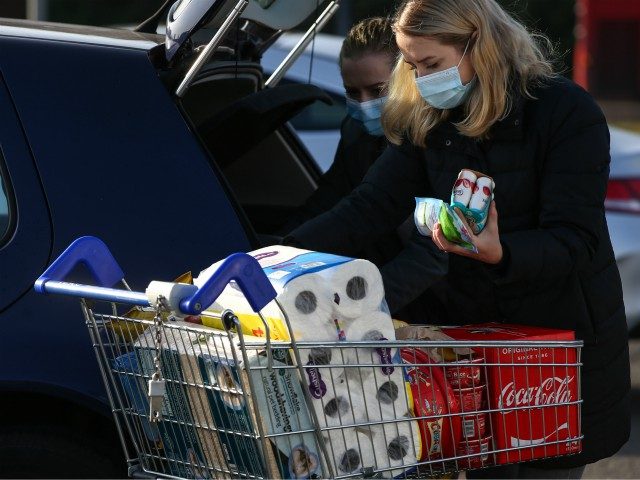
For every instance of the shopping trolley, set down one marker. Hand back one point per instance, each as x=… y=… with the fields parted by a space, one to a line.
x=191 y=401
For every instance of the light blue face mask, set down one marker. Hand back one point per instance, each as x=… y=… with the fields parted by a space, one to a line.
x=368 y=113
x=444 y=90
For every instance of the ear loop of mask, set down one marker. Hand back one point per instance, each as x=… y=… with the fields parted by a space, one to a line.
x=464 y=53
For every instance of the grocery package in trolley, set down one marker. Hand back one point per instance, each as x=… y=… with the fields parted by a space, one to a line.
x=529 y=406
x=332 y=299
x=285 y=363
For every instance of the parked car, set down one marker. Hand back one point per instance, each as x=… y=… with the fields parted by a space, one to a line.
x=319 y=128
x=623 y=216
x=95 y=141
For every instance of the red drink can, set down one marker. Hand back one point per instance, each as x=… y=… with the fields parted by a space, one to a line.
x=470 y=399
x=465 y=373
x=475 y=453
x=474 y=427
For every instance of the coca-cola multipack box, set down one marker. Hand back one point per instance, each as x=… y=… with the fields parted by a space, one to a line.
x=533 y=390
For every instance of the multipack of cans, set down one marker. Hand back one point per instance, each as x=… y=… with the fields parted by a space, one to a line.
x=472 y=194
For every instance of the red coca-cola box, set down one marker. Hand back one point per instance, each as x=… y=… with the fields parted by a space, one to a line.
x=533 y=390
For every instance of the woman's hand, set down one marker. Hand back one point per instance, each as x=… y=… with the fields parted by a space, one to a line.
x=487 y=242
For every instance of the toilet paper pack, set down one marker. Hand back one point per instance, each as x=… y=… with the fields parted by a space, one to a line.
x=430 y=211
x=231 y=410
x=393 y=448
x=205 y=390
x=338 y=300
x=320 y=292
x=188 y=450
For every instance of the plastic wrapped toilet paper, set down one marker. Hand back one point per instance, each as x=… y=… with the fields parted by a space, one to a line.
x=172 y=292
x=358 y=287
x=350 y=450
x=393 y=448
x=305 y=296
x=373 y=327
x=384 y=397
x=397 y=444
x=430 y=211
x=321 y=293
x=307 y=300
x=334 y=401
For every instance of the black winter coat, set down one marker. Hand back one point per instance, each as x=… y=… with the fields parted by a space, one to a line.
x=550 y=161
x=356 y=153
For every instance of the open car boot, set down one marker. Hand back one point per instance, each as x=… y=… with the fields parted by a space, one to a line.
x=254 y=117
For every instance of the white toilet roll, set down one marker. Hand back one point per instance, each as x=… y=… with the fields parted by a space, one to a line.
x=397 y=444
x=384 y=396
x=333 y=400
x=172 y=292
x=374 y=327
x=333 y=361
x=350 y=450
x=308 y=302
x=358 y=287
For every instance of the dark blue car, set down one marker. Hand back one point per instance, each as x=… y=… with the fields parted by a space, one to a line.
x=109 y=133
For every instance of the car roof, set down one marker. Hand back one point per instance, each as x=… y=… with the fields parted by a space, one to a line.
x=112 y=37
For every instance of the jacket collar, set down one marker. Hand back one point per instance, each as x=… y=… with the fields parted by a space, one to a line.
x=509 y=128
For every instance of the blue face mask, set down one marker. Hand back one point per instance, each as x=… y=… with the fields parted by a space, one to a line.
x=444 y=90
x=368 y=113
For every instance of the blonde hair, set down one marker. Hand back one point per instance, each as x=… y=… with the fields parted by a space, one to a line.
x=505 y=56
x=371 y=35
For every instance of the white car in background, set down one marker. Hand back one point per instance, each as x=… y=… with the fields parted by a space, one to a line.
x=319 y=129
x=623 y=216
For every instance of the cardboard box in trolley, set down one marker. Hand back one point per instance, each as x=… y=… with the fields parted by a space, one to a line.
x=537 y=379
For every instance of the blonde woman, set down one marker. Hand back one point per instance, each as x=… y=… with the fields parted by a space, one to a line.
x=474 y=89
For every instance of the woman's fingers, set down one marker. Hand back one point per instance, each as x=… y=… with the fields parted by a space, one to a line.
x=445 y=245
x=437 y=236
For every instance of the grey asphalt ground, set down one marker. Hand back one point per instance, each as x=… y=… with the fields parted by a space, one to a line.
x=626 y=463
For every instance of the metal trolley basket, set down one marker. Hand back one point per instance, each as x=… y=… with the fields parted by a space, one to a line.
x=195 y=402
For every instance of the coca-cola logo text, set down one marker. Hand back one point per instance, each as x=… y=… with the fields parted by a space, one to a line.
x=553 y=390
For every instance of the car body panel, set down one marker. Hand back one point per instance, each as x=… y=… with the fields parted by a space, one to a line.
x=31 y=231
x=91 y=153
x=79 y=34
x=625 y=153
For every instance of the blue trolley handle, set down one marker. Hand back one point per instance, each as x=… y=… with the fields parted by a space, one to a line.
x=246 y=272
x=92 y=252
